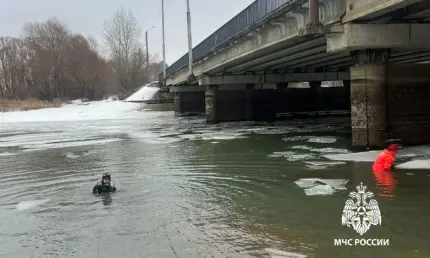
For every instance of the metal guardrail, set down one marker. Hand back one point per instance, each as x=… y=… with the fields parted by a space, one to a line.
x=251 y=15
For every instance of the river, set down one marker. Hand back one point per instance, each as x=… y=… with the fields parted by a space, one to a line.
x=187 y=189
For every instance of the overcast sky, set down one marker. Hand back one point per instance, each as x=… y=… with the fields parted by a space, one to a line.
x=87 y=17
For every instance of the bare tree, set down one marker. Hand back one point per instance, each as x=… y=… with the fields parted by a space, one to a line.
x=50 y=62
x=48 y=41
x=121 y=34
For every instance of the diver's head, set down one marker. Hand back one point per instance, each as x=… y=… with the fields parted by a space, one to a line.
x=106 y=179
x=393 y=148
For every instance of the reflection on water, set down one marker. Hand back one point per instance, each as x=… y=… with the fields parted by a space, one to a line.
x=386 y=183
x=107 y=199
x=187 y=189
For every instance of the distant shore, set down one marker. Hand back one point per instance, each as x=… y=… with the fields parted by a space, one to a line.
x=30 y=104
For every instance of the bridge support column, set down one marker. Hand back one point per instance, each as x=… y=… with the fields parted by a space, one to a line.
x=282 y=97
x=239 y=103
x=347 y=91
x=211 y=104
x=316 y=95
x=250 y=102
x=368 y=98
x=189 y=103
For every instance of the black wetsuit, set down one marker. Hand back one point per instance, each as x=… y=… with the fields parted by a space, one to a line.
x=101 y=188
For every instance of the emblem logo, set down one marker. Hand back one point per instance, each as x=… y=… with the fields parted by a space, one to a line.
x=362 y=213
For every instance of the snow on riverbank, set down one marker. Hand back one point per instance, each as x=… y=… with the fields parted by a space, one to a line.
x=144 y=93
x=96 y=110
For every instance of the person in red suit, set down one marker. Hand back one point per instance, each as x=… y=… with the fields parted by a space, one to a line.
x=385 y=159
x=382 y=167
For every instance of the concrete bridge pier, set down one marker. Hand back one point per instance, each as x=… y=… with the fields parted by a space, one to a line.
x=388 y=101
x=316 y=99
x=188 y=100
x=347 y=93
x=211 y=104
x=368 y=98
x=228 y=103
x=282 y=97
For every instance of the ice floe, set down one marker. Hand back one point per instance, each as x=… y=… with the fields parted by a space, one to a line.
x=71 y=155
x=297 y=138
x=319 y=190
x=318 y=165
x=325 y=163
x=292 y=156
x=323 y=140
x=321 y=150
x=7 y=154
x=318 y=186
x=25 y=205
x=415 y=164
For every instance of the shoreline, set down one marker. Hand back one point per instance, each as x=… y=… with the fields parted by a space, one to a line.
x=27 y=105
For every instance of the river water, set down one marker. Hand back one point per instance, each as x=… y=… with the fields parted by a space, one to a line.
x=187 y=189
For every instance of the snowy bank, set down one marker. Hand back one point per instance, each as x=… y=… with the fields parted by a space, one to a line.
x=146 y=92
x=96 y=110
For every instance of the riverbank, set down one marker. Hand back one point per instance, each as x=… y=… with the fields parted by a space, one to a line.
x=30 y=104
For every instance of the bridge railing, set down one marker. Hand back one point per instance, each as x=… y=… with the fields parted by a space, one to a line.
x=251 y=15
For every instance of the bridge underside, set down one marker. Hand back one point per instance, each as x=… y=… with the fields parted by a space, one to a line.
x=382 y=65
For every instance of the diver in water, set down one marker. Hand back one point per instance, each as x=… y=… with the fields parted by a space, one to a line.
x=104 y=186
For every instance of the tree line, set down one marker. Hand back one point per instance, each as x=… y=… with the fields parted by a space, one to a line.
x=50 y=62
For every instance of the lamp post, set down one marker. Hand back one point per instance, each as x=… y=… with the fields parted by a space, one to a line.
x=164 y=46
x=190 y=45
x=147 y=54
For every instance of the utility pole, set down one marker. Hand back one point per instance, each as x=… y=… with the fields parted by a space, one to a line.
x=147 y=57
x=190 y=44
x=164 y=46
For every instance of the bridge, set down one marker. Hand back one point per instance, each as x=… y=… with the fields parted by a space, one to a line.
x=379 y=49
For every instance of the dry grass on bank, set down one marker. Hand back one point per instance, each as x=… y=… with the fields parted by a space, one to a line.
x=30 y=104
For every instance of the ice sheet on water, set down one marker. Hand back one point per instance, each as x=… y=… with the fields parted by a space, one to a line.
x=34 y=147
x=319 y=190
x=314 y=167
x=338 y=184
x=296 y=138
x=415 y=164
x=325 y=163
x=291 y=156
x=71 y=155
x=335 y=184
x=298 y=157
x=223 y=136
x=3 y=154
x=357 y=157
x=370 y=156
x=25 y=205
x=190 y=136
x=306 y=182
x=319 y=165
x=321 y=150
x=161 y=140
x=277 y=154
x=323 y=140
